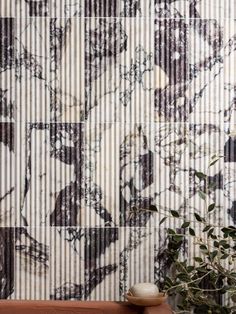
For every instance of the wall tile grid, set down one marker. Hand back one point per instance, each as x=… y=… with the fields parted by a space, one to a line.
x=105 y=105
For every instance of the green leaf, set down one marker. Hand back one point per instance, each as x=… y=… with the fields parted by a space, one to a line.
x=213 y=236
x=213 y=255
x=211 y=185
x=226 y=246
x=190 y=269
x=198 y=259
x=153 y=208
x=226 y=231
x=223 y=242
x=199 y=218
x=174 y=213
x=171 y=231
x=178 y=238
x=224 y=256
x=214 y=160
x=203 y=247
x=202 y=270
x=192 y=232
x=200 y=175
x=183 y=277
x=206 y=228
x=209 y=233
x=162 y=220
x=211 y=207
x=168 y=281
x=185 y=224
x=202 y=195
x=216 y=244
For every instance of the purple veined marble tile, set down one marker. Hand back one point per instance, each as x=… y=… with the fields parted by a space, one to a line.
x=171 y=169
x=230 y=173
x=93 y=266
x=136 y=8
x=171 y=8
x=32 y=263
x=136 y=90
x=136 y=250
x=206 y=83
x=32 y=75
x=153 y=171
x=30 y=8
x=105 y=39
x=207 y=9
x=7 y=63
x=101 y=175
x=119 y=70
x=66 y=8
x=8 y=184
x=33 y=187
x=42 y=8
x=7 y=272
x=67 y=151
x=136 y=173
x=67 y=67
x=229 y=71
x=51 y=186
x=171 y=70
x=206 y=140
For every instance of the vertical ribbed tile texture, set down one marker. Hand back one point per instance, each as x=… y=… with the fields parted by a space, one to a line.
x=107 y=105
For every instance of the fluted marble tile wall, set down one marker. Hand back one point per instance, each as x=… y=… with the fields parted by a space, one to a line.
x=106 y=105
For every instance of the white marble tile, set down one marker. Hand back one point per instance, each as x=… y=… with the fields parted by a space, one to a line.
x=101 y=175
x=67 y=66
x=32 y=75
x=92 y=268
x=8 y=175
x=136 y=253
x=32 y=253
x=206 y=85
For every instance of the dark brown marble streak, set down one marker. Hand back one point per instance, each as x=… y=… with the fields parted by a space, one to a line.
x=171 y=55
x=6 y=43
x=6 y=262
x=7 y=134
x=102 y=8
x=97 y=242
x=38 y=7
x=66 y=207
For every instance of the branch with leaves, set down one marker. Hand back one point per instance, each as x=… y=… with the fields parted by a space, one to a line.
x=207 y=283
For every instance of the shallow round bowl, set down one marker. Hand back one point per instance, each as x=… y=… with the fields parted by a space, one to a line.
x=144 y=301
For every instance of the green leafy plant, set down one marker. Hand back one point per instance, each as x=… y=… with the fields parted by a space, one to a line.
x=205 y=282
